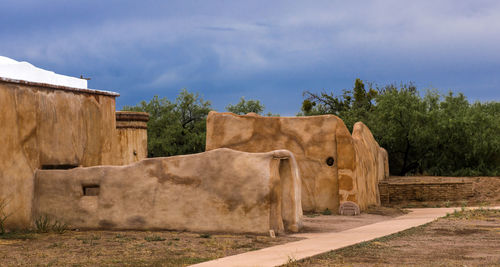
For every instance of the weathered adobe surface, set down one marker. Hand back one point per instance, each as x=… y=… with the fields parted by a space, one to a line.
x=358 y=162
x=372 y=166
x=49 y=127
x=132 y=136
x=220 y=190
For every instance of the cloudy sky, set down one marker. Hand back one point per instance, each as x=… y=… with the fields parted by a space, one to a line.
x=266 y=50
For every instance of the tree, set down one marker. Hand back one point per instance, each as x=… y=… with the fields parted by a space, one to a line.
x=352 y=105
x=175 y=128
x=469 y=139
x=246 y=106
x=399 y=122
x=434 y=134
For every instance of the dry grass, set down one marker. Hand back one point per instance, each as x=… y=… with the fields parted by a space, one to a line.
x=465 y=238
x=157 y=248
x=124 y=248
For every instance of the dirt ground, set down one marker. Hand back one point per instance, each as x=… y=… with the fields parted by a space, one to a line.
x=470 y=238
x=486 y=190
x=319 y=223
x=174 y=248
x=125 y=248
x=157 y=248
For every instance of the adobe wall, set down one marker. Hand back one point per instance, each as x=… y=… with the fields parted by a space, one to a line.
x=132 y=137
x=372 y=166
x=357 y=166
x=46 y=126
x=220 y=190
x=311 y=139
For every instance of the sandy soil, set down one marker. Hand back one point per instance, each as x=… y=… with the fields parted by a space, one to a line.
x=462 y=239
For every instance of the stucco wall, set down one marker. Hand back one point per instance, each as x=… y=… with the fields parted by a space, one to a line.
x=220 y=190
x=371 y=166
x=311 y=139
x=44 y=126
x=357 y=159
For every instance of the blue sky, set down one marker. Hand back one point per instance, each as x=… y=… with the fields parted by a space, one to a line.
x=266 y=50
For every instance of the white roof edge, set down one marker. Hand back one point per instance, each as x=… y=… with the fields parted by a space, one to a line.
x=25 y=73
x=60 y=87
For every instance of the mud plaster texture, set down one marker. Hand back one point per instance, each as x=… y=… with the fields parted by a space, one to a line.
x=44 y=126
x=371 y=166
x=358 y=161
x=132 y=136
x=222 y=190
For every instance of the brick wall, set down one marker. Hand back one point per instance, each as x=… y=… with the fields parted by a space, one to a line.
x=408 y=189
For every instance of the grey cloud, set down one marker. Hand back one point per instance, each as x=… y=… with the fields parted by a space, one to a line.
x=292 y=45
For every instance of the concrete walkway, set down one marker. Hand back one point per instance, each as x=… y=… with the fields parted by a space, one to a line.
x=317 y=243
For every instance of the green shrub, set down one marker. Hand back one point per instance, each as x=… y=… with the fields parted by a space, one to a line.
x=42 y=224
x=59 y=227
x=3 y=215
x=327 y=212
x=154 y=238
x=205 y=235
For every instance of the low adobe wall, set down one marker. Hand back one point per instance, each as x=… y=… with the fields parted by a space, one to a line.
x=335 y=167
x=47 y=126
x=220 y=190
x=132 y=136
x=406 y=189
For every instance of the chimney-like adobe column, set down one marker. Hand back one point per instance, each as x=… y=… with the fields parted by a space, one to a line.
x=132 y=135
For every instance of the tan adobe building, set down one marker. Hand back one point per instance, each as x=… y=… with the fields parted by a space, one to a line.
x=335 y=166
x=45 y=126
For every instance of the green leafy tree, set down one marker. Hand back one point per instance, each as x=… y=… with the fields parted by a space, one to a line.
x=469 y=139
x=352 y=105
x=400 y=124
x=175 y=128
x=246 y=106
x=325 y=103
x=433 y=134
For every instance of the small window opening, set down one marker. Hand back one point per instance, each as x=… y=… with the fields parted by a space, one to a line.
x=330 y=161
x=58 y=167
x=90 y=190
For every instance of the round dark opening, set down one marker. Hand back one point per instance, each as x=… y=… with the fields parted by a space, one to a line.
x=330 y=161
